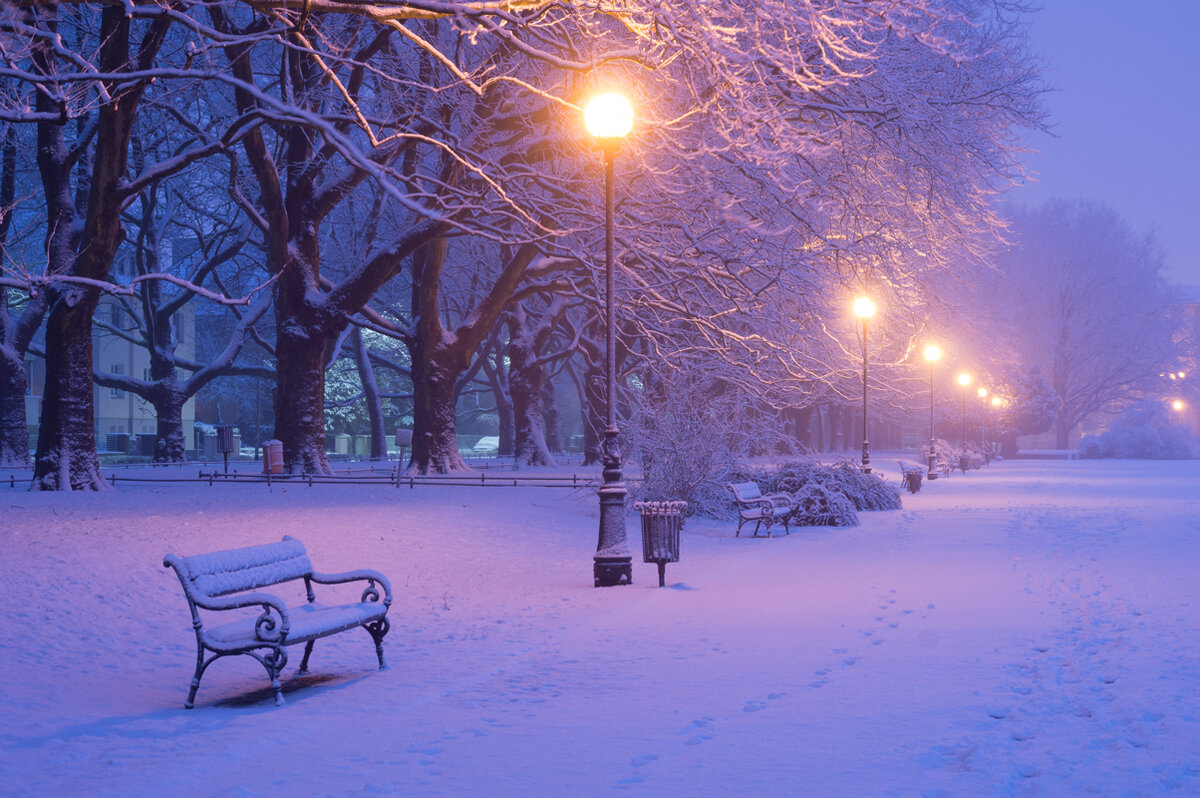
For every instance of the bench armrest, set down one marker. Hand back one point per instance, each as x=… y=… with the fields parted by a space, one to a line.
x=360 y=575
x=780 y=500
x=267 y=628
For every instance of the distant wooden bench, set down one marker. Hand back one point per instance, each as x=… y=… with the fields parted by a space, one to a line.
x=229 y=580
x=764 y=511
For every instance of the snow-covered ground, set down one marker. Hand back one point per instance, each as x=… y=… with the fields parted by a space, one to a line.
x=1028 y=629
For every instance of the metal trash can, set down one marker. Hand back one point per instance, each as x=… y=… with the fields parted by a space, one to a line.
x=964 y=462
x=912 y=481
x=661 y=524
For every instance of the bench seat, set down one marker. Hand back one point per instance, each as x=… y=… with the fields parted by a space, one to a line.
x=308 y=622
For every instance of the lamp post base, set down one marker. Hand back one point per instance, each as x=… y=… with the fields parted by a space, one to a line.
x=611 y=571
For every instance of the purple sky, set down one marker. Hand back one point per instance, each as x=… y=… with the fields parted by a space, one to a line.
x=1126 y=114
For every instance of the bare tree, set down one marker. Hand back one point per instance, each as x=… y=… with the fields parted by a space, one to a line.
x=1083 y=297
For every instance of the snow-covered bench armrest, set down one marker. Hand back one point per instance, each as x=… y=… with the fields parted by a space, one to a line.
x=361 y=575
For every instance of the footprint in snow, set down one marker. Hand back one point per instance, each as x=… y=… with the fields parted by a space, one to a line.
x=754 y=706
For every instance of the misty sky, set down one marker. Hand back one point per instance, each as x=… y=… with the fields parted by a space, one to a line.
x=1126 y=112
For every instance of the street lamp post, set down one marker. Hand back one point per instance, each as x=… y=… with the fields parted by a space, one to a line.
x=864 y=308
x=932 y=353
x=964 y=380
x=983 y=393
x=609 y=118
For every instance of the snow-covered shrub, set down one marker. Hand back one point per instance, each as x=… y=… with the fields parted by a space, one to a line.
x=866 y=491
x=818 y=505
x=689 y=434
x=1144 y=432
x=943 y=450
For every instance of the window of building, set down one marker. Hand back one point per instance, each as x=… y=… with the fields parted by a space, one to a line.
x=28 y=377
x=116 y=368
x=180 y=328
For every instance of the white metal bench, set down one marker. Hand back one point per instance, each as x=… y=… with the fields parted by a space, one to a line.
x=229 y=580
x=764 y=511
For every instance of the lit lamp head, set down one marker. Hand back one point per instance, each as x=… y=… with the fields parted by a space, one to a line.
x=933 y=352
x=964 y=379
x=982 y=393
x=997 y=401
x=1177 y=405
x=864 y=308
x=608 y=117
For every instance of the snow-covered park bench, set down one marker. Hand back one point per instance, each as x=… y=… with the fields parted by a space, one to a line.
x=230 y=580
x=911 y=475
x=764 y=511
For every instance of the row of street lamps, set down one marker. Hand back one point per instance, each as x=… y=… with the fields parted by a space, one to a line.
x=864 y=309
x=609 y=119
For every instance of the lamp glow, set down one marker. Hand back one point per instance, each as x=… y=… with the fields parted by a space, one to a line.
x=1177 y=405
x=608 y=116
x=933 y=352
x=964 y=379
x=864 y=308
x=997 y=401
x=982 y=393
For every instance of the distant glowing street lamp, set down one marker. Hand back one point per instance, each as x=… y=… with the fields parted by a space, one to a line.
x=1178 y=405
x=964 y=380
x=983 y=394
x=864 y=308
x=933 y=353
x=609 y=118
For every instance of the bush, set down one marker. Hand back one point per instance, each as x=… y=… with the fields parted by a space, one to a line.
x=817 y=505
x=1143 y=432
x=828 y=495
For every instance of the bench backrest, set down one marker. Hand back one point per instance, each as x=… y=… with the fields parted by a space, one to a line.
x=237 y=570
x=745 y=491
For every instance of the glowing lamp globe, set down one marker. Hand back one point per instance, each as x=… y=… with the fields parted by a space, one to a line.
x=1177 y=405
x=997 y=401
x=964 y=380
x=982 y=393
x=864 y=308
x=608 y=116
x=933 y=352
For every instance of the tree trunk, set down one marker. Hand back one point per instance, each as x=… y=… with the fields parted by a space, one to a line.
x=593 y=407
x=14 y=432
x=435 y=439
x=366 y=377
x=66 y=451
x=169 y=446
x=550 y=417
x=300 y=397
x=1062 y=433
x=525 y=380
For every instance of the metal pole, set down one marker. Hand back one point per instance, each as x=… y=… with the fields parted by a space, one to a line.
x=964 y=435
x=612 y=562
x=866 y=452
x=932 y=456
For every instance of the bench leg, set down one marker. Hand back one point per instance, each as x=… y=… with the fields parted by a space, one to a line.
x=275 y=661
x=377 y=630
x=308 y=647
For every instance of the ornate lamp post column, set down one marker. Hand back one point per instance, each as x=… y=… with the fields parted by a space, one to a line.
x=609 y=118
x=964 y=380
x=932 y=353
x=983 y=394
x=864 y=308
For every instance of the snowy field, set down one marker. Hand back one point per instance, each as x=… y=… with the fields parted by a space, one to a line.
x=1029 y=629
